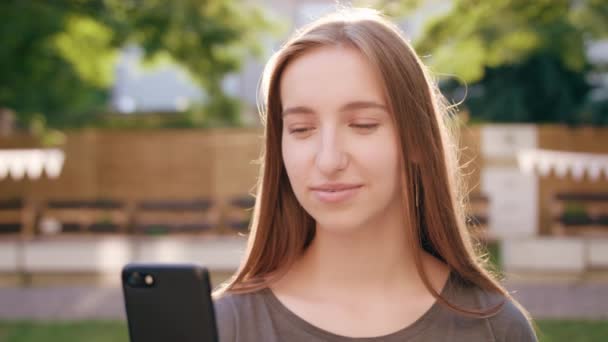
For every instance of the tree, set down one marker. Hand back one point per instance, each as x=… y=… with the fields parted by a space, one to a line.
x=516 y=60
x=56 y=59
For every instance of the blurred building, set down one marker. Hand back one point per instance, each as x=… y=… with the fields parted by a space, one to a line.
x=598 y=55
x=164 y=88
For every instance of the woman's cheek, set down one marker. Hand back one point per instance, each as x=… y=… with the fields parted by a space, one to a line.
x=295 y=163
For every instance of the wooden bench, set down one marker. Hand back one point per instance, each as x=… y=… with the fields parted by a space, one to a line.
x=16 y=217
x=238 y=212
x=580 y=214
x=86 y=216
x=175 y=216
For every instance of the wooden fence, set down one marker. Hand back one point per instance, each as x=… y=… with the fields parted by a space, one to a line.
x=219 y=164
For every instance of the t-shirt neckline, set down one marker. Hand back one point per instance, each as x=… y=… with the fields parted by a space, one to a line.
x=409 y=331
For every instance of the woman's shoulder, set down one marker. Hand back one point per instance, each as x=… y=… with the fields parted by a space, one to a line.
x=225 y=317
x=510 y=323
x=232 y=303
x=239 y=314
x=230 y=306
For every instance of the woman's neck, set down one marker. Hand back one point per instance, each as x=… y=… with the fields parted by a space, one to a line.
x=366 y=259
x=370 y=259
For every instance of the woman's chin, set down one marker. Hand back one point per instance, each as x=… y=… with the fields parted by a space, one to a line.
x=338 y=226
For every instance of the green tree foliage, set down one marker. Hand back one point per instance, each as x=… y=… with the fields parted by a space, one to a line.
x=57 y=56
x=516 y=60
x=35 y=77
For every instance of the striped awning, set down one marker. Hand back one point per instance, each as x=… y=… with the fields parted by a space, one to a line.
x=18 y=163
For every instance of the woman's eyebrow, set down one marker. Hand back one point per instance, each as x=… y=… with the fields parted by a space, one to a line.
x=362 y=105
x=345 y=108
x=298 y=110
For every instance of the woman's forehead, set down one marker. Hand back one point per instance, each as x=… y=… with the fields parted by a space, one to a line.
x=330 y=76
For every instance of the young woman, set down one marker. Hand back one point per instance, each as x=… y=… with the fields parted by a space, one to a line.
x=358 y=232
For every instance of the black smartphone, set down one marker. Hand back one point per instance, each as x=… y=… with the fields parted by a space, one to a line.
x=168 y=302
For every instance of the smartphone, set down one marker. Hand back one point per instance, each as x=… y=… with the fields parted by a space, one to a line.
x=168 y=302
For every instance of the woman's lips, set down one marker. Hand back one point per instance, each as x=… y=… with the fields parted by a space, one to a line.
x=335 y=196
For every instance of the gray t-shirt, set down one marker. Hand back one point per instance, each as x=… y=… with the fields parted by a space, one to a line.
x=260 y=316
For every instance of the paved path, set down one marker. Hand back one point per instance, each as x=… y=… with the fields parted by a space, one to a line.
x=61 y=303
x=564 y=300
x=555 y=300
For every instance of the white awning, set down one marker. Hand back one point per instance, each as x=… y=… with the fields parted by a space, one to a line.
x=18 y=163
x=561 y=163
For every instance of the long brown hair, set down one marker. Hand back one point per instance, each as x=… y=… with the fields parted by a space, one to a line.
x=281 y=229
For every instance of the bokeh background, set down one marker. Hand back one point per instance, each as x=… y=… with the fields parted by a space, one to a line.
x=129 y=132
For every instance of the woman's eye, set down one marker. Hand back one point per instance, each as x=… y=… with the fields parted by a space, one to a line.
x=299 y=130
x=365 y=126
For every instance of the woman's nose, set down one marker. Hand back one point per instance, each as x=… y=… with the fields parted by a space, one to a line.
x=331 y=157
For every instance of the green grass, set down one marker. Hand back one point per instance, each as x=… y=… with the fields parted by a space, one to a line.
x=572 y=331
x=98 y=331
x=89 y=331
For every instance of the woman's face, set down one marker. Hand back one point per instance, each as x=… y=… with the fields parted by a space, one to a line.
x=339 y=141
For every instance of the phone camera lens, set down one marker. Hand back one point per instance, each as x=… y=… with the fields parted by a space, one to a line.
x=134 y=279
